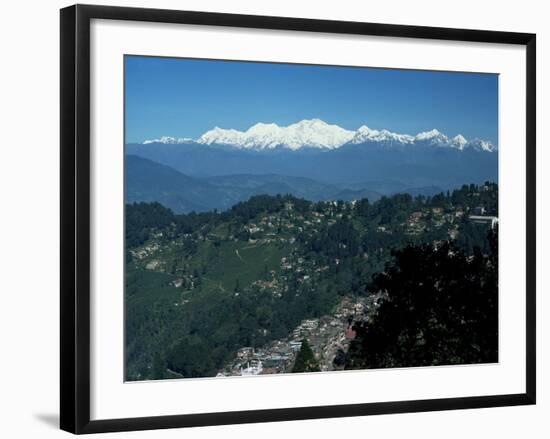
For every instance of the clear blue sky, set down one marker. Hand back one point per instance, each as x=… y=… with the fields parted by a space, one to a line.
x=185 y=98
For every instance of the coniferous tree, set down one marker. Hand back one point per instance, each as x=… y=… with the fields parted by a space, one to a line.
x=305 y=360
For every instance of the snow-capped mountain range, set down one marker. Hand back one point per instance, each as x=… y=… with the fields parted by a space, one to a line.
x=312 y=133
x=169 y=140
x=315 y=133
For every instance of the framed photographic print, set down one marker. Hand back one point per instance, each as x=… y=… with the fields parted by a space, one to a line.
x=268 y=218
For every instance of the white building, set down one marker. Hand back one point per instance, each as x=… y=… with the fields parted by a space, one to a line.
x=479 y=219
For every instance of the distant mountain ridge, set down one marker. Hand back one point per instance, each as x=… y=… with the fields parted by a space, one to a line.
x=317 y=134
x=351 y=164
x=150 y=181
x=313 y=160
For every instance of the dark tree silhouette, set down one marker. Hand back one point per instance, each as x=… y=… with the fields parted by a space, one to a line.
x=441 y=308
x=305 y=360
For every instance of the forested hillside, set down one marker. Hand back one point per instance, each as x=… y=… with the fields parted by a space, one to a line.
x=202 y=286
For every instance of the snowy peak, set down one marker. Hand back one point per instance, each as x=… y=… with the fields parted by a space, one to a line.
x=459 y=141
x=425 y=135
x=220 y=135
x=312 y=133
x=432 y=137
x=436 y=138
x=169 y=140
x=481 y=145
x=365 y=135
x=315 y=133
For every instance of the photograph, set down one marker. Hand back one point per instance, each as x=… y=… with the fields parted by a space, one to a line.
x=287 y=218
x=263 y=219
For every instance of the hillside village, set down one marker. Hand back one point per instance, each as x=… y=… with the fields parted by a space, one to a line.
x=329 y=336
x=284 y=249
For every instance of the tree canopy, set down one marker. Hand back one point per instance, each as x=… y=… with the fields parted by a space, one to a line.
x=441 y=307
x=305 y=360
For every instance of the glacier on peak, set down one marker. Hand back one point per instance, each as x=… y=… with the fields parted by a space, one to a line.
x=365 y=134
x=315 y=133
x=169 y=140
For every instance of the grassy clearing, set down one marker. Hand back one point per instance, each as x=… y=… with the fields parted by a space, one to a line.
x=243 y=261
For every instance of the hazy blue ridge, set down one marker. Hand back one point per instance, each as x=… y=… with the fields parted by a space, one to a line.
x=204 y=177
x=147 y=180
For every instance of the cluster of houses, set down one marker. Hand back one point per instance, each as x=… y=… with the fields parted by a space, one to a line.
x=146 y=250
x=417 y=222
x=326 y=336
x=276 y=357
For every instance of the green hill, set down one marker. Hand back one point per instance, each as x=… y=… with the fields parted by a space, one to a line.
x=200 y=286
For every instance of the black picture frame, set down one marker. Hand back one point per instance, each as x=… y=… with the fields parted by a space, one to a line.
x=75 y=217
